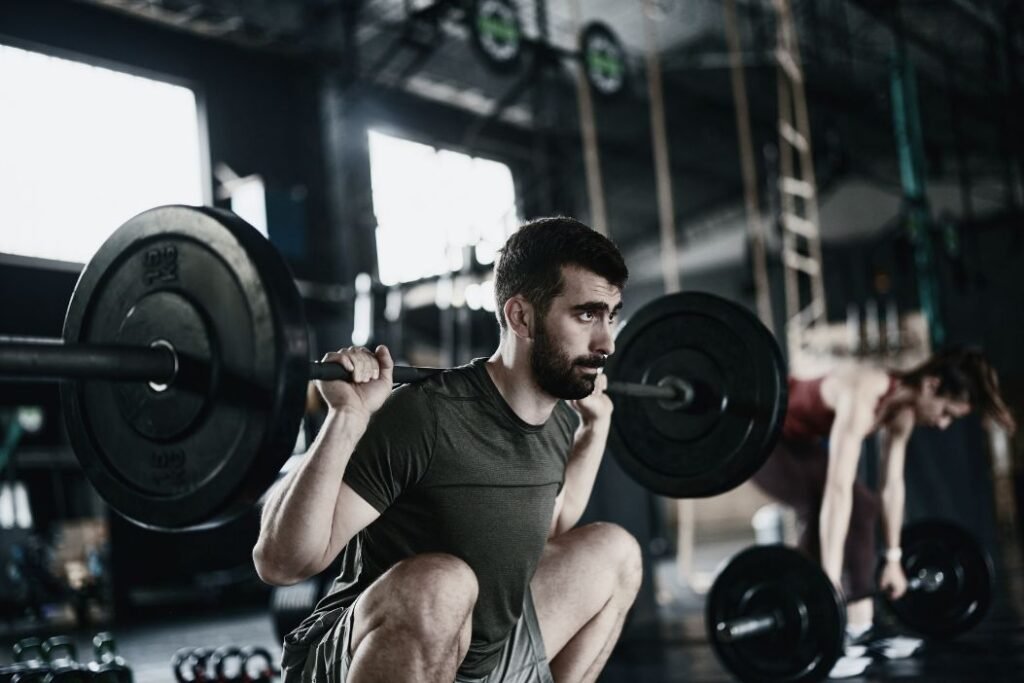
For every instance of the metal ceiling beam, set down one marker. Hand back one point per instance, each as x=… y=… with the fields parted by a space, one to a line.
x=983 y=18
x=888 y=14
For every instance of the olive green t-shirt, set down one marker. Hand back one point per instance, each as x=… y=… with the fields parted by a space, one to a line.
x=452 y=469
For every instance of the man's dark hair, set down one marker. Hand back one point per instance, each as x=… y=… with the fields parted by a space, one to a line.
x=530 y=264
x=965 y=374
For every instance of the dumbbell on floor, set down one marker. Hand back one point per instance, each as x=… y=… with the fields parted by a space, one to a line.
x=226 y=664
x=191 y=664
x=29 y=665
x=55 y=660
x=62 y=655
x=257 y=665
x=773 y=615
x=109 y=666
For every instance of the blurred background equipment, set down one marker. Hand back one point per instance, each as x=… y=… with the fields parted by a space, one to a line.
x=850 y=170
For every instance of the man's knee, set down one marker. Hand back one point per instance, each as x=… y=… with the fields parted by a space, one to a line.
x=621 y=551
x=431 y=595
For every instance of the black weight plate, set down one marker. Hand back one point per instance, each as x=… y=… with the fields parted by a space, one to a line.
x=604 y=60
x=739 y=376
x=497 y=33
x=965 y=595
x=776 y=580
x=205 y=448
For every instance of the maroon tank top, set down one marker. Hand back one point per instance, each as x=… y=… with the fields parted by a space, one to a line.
x=807 y=416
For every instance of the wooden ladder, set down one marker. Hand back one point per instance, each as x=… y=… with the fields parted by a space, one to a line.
x=798 y=192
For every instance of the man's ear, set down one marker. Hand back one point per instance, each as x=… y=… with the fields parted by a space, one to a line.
x=519 y=316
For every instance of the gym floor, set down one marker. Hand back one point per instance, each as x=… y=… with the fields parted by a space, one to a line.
x=993 y=652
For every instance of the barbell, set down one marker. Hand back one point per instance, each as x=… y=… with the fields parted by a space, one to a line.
x=773 y=616
x=184 y=361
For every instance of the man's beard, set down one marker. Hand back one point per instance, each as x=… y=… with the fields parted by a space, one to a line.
x=556 y=373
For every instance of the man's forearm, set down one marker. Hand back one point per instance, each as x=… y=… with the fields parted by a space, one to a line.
x=295 y=525
x=584 y=460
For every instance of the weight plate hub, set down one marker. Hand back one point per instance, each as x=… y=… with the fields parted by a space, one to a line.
x=965 y=595
x=203 y=449
x=777 y=580
x=739 y=379
x=604 y=60
x=496 y=33
x=162 y=412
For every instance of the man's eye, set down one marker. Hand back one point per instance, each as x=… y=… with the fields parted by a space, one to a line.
x=587 y=316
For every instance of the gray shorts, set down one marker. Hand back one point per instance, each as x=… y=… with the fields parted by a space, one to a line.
x=523 y=659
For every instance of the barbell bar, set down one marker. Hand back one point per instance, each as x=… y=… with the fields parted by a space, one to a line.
x=773 y=616
x=158 y=364
x=733 y=630
x=186 y=360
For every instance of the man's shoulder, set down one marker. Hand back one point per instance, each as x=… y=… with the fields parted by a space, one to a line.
x=462 y=382
x=408 y=401
x=421 y=399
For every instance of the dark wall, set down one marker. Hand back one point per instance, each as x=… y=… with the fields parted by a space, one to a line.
x=35 y=295
x=261 y=111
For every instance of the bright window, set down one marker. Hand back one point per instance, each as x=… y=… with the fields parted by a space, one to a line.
x=84 y=148
x=432 y=203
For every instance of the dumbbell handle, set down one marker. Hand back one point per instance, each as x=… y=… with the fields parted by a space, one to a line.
x=741 y=628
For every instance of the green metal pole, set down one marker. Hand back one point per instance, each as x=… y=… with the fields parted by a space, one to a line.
x=910 y=148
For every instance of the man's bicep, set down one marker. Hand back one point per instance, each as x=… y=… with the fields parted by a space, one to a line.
x=396 y=450
x=559 y=500
x=352 y=514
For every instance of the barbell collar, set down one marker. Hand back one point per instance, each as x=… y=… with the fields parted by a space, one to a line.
x=746 y=627
x=679 y=393
x=928 y=580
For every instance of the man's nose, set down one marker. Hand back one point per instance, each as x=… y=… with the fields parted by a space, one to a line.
x=603 y=341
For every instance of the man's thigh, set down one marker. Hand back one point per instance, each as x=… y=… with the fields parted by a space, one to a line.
x=578 y=574
x=408 y=593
